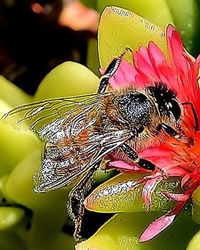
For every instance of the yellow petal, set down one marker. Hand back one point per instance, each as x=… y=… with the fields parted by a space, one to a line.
x=155 y=11
x=120 y=28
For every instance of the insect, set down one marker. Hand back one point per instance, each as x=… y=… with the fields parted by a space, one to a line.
x=80 y=131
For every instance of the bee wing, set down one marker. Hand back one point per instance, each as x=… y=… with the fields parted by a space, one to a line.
x=62 y=165
x=36 y=115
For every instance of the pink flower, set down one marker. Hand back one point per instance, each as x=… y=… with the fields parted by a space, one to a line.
x=173 y=158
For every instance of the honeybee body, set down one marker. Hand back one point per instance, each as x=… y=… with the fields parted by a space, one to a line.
x=80 y=131
x=130 y=115
x=134 y=111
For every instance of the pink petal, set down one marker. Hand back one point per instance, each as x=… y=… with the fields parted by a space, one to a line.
x=156 y=227
x=170 y=30
x=176 y=50
x=176 y=171
x=143 y=51
x=148 y=190
x=177 y=197
x=142 y=79
x=155 y=151
x=163 y=69
x=144 y=68
x=160 y=224
x=185 y=179
x=123 y=166
x=155 y=54
x=124 y=76
x=167 y=75
x=142 y=64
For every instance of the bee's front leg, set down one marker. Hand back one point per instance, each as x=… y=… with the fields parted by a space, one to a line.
x=169 y=130
x=179 y=135
x=110 y=71
x=76 y=199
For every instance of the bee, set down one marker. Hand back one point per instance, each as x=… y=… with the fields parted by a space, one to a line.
x=81 y=131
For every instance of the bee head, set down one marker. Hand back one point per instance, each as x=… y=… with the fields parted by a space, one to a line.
x=166 y=100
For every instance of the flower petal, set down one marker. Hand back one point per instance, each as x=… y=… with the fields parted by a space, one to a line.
x=124 y=76
x=123 y=166
x=148 y=190
x=112 y=40
x=177 y=197
x=175 y=48
x=156 y=227
x=160 y=224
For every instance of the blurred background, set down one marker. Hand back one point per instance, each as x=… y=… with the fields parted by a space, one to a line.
x=36 y=36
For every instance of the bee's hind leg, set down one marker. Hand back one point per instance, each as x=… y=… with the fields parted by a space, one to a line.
x=76 y=199
x=110 y=71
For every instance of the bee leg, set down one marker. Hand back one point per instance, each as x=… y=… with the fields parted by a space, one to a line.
x=76 y=200
x=111 y=69
x=169 y=130
x=180 y=135
x=134 y=157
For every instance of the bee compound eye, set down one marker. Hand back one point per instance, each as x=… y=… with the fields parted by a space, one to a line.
x=139 y=97
x=174 y=108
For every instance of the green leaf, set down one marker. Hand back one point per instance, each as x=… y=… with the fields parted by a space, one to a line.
x=9 y=240
x=183 y=14
x=186 y=19
x=11 y=94
x=10 y=216
x=120 y=194
x=45 y=232
x=67 y=79
x=49 y=209
x=92 y=56
x=122 y=233
x=195 y=242
x=20 y=184
x=4 y=196
x=89 y=3
x=14 y=146
x=120 y=28
x=196 y=205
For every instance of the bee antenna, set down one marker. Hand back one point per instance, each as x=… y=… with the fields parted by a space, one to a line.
x=110 y=71
x=127 y=49
x=194 y=114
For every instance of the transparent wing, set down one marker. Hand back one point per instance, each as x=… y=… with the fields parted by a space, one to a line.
x=73 y=144
x=36 y=115
x=62 y=165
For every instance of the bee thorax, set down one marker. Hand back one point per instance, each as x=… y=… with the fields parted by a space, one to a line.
x=135 y=109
